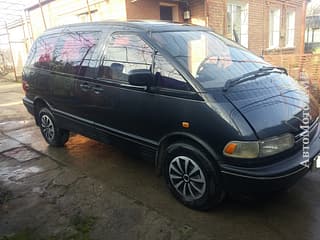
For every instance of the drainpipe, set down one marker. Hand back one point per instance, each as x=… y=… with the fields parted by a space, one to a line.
x=302 y=33
x=206 y=12
x=303 y=26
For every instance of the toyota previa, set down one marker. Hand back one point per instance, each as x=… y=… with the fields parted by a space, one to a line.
x=215 y=117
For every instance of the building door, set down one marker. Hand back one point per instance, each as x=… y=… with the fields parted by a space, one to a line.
x=166 y=13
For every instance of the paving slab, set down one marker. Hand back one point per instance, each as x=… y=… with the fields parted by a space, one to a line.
x=7 y=143
x=26 y=135
x=14 y=171
x=22 y=154
x=7 y=126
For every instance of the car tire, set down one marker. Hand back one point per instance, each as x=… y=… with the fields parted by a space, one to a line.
x=53 y=135
x=191 y=177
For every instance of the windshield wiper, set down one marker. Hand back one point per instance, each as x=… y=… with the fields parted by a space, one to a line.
x=265 y=70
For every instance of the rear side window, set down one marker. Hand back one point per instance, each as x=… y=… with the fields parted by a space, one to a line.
x=125 y=52
x=68 y=52
x=73 y=50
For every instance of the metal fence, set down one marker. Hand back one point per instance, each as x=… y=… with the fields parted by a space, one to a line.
x=14 y=45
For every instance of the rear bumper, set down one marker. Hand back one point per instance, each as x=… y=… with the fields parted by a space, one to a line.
x=273 y=177
x=29 y=105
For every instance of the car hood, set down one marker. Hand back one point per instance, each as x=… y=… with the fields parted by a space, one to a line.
x=273 y=105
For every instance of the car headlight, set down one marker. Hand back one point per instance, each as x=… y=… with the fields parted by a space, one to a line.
x=262 y=148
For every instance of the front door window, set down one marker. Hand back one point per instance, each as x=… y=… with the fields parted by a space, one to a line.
x=125 y=52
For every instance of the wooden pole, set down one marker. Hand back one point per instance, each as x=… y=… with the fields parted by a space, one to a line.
x=43 y=18
x=29 y=26
x=25 y=40
x=89 y=11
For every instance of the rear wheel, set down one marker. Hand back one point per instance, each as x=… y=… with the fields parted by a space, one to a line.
x=192 y=178
x=54 y=136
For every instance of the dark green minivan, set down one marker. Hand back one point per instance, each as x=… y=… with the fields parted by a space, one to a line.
x=215 y=117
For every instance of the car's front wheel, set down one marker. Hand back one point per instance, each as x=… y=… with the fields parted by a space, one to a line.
x=54 y=136
x=191 y=177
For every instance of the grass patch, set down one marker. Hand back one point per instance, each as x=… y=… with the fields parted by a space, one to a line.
x=83 y=226
x=23 y=235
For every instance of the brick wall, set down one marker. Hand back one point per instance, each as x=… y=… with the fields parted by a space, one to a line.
x=198 y=15
x=257 y=29
x=149 y=9
x=216 y=15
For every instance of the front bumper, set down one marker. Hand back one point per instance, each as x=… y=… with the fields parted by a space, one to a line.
x=273 y=177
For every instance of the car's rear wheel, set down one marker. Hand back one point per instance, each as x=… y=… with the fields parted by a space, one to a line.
x=53 y=135
x=191 y=177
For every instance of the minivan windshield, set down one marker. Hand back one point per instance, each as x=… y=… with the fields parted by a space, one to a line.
x=210 y=58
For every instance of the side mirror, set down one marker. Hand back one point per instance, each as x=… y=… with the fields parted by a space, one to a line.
x=139 y=77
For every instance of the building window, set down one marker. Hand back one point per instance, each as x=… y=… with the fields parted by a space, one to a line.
x=316 y=35
x=237 y=22
x=290 y=24
x=169 y=12
x=274 y=28
x=312 y=35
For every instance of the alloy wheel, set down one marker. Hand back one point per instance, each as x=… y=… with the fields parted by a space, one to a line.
x=187 y=178
x=47 y=127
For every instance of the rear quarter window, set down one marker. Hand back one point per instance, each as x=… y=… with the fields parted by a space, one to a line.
x=42 y=52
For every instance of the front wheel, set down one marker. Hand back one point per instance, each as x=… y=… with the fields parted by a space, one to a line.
x=192 y=178
x=53 y=135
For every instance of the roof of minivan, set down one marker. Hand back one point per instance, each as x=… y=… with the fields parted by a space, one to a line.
x=148 y=26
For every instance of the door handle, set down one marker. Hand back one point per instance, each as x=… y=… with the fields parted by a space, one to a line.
x=97 y=89
x=85 y=86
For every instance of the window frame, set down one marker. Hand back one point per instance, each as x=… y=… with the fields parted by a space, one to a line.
x=290 y=44
x=271 y=29
x=244 y=23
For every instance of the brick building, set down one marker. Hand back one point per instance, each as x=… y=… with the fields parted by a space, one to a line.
x=264 y=26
